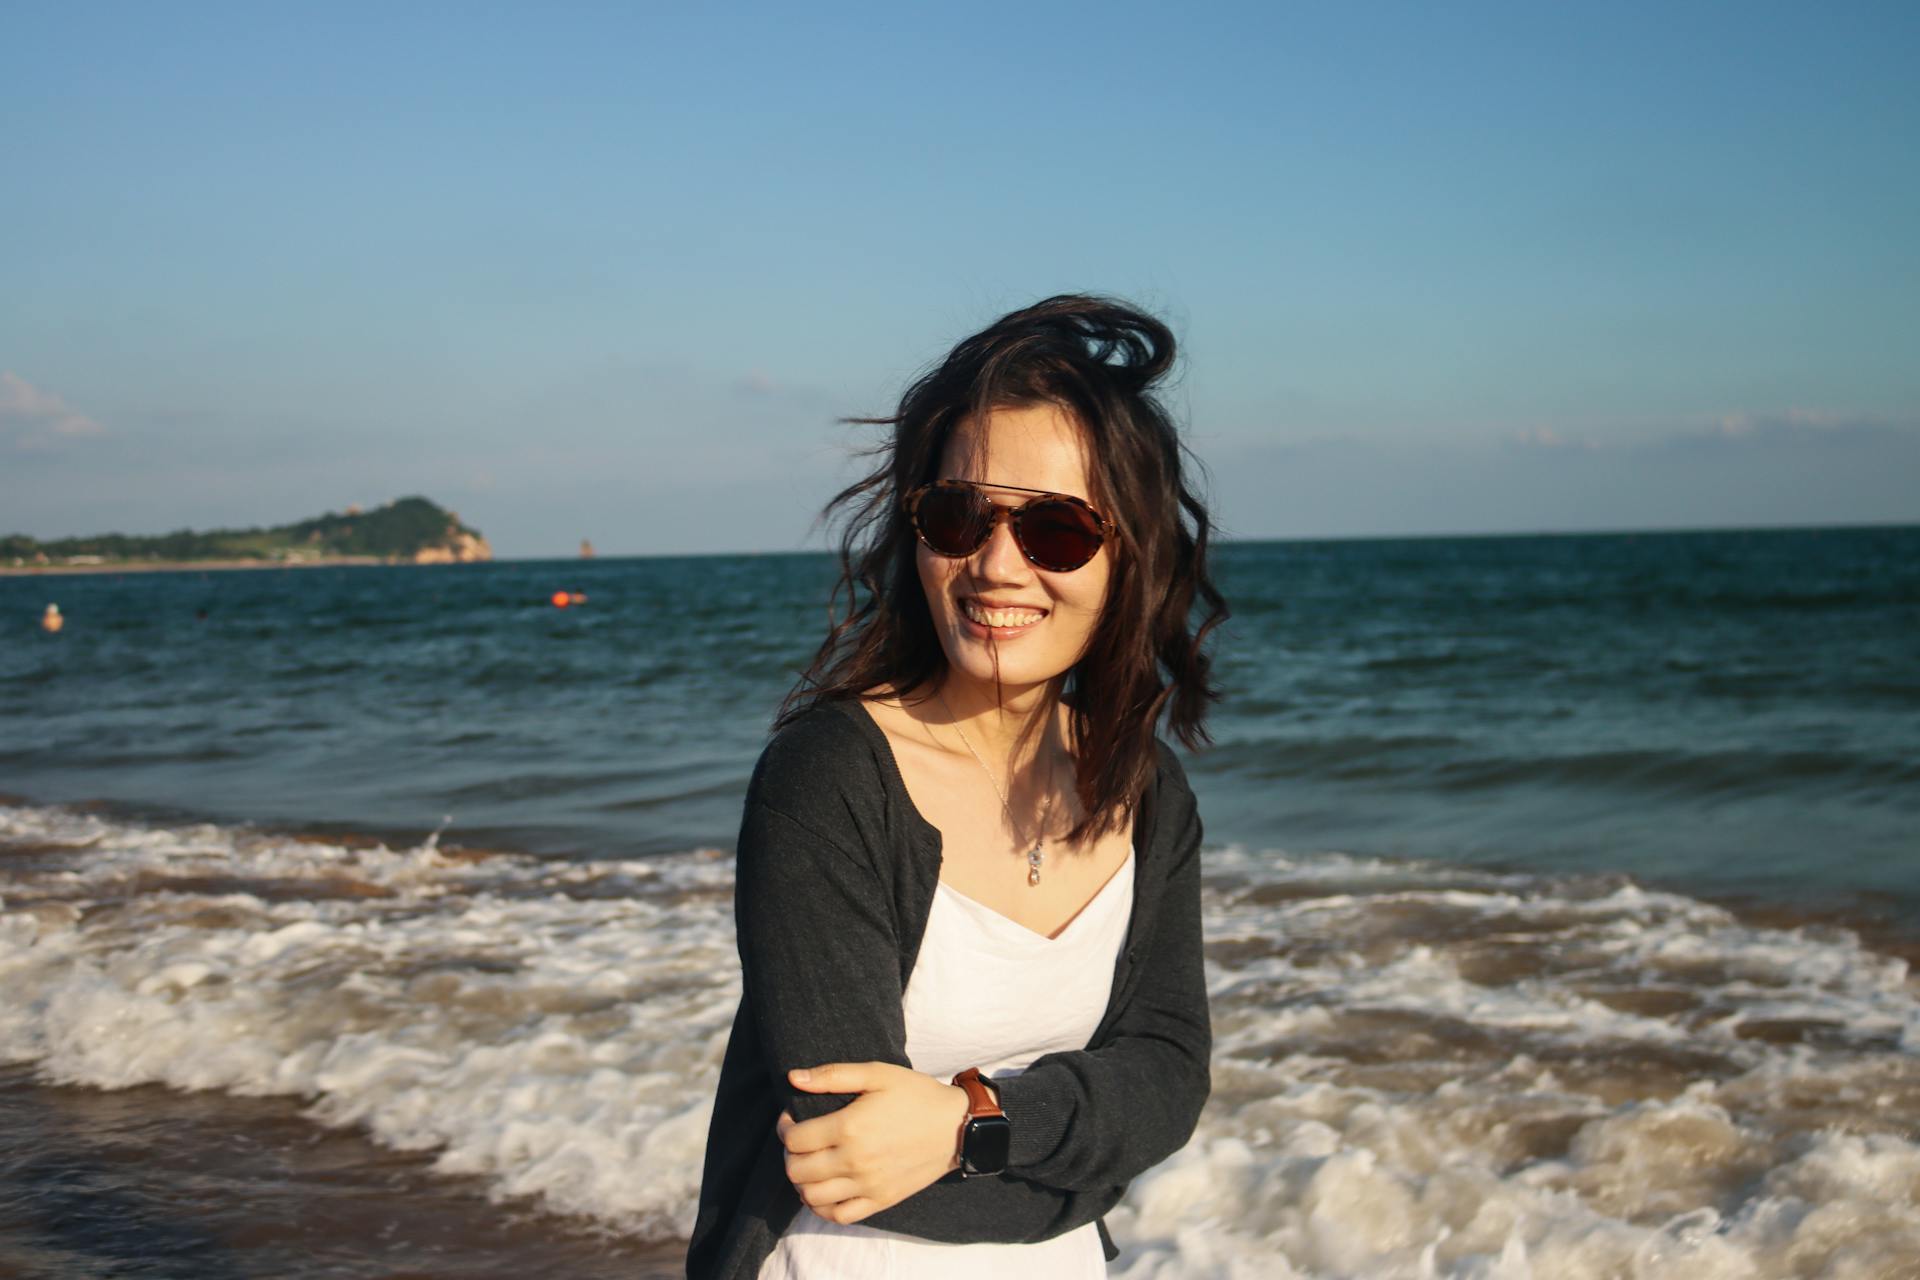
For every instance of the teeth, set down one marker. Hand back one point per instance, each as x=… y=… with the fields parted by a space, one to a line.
x=1000 y=617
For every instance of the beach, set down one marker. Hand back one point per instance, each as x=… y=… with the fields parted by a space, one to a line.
x=1558 y=895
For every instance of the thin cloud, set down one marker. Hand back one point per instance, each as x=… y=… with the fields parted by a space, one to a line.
x=1542 y=437
x=32 y=419
x=1818 y=418
x=758 y=384
x=1797 y=425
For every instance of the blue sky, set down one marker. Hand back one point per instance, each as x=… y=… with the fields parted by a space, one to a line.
x=611 y=270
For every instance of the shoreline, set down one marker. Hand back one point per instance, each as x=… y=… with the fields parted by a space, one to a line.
x=191 y=566
x=1249 y=541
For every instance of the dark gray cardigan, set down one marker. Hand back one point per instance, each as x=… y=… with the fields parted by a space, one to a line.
x=836 y=877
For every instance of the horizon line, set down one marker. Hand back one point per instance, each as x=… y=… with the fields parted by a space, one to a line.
x=1434 y=536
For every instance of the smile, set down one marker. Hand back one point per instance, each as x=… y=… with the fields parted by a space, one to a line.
x=1000 y=619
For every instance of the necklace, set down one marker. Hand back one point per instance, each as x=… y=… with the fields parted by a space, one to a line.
x=1037 y=854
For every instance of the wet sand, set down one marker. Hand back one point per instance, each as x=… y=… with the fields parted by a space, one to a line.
x=155 y=1182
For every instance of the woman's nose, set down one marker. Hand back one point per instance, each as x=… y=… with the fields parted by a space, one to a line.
x=1001 y=559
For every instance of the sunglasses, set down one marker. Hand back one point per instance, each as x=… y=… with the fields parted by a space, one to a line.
x=1055 y=531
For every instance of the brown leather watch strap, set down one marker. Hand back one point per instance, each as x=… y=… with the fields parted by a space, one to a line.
x=980 y=1098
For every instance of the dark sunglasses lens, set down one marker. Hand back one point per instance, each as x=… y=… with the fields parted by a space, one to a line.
x=953 y=521
x=1059 y=535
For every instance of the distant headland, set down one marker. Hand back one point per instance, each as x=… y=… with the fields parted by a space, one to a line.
x=405 y=531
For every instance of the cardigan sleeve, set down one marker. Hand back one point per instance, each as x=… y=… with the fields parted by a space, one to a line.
x=1100 y=1117
x=819 y=962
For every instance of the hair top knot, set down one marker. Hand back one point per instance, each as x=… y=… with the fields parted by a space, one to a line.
x=1085 y=330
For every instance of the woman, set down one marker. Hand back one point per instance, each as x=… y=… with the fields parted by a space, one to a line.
x=968 y=878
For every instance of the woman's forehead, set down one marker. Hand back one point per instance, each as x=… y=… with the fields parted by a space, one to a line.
x=1029 y=446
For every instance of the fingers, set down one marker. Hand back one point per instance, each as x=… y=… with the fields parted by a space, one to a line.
x=849 y=1211
x=825 y=1195
x=813 y=1135
x=780 y=1126
x=840 y=1077
x=817 y=1166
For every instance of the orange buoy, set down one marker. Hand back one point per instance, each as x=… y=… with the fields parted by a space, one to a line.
x=561 y=599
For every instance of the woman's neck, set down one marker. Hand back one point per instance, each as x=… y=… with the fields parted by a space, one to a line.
x=1014 y=722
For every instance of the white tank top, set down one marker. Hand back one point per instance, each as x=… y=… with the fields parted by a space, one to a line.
x=989 y=993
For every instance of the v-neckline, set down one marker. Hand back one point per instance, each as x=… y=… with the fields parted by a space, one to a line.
x=1086 y=908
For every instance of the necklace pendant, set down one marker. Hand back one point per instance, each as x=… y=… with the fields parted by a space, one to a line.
x=1033 y=865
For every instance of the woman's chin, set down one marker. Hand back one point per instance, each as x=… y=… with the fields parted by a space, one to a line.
x=977 y=668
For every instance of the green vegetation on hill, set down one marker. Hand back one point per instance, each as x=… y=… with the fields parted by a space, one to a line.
x=400 y=530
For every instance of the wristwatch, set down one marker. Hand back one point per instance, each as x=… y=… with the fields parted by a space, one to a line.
x=987 y=1135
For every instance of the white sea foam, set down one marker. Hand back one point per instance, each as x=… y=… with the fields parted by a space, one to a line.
x=1419 y=1072
x=546 y=1027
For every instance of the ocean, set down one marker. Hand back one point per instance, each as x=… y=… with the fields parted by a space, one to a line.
x=1561 y=895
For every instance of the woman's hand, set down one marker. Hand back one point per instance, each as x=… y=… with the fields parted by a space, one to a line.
x=901 y=1134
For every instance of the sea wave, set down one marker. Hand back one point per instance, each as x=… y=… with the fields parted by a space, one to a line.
x=1419 y=1071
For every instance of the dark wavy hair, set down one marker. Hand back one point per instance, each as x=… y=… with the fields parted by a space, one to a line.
x=1098 y=360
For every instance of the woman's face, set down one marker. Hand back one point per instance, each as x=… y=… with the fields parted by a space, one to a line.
x=1038 y=620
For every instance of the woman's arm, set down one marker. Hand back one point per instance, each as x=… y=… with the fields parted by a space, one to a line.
x=1092 y=1119
x=821 y=972
x=819 y=961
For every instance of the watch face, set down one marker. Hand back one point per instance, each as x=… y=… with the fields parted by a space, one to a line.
x=986 y=1146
